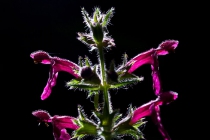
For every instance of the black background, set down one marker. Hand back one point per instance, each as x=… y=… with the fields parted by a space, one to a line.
x=51 y=26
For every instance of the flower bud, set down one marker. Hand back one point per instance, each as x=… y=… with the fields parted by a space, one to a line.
x=86 y=72
x=112 y=75
x=98 y=33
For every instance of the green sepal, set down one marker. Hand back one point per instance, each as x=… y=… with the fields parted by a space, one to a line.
x=78 y=137
x=139 y=123
x=86 y=39
x=82 y=115
x=92 y=93
x=96 y=15
x=86 y=126
x=133 y=133
x=87 y=61
x=107 y=121
x=80 y=61
x=86 y=17
x=108 y=17
x=124 y=127
x=117 y=117
x=93 y=80
x=98 y=33
x=112 y=76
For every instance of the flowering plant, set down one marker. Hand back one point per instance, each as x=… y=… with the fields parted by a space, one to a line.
x=97 y=79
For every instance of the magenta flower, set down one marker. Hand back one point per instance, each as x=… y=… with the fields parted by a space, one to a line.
x=64 y=135
x=152 y=109
x=144 y=110
x=156 y=75
x=157 y=82
x=146 y=57
x=157 y=120
x=57 y=65
x=60 y=123
x=167 y=46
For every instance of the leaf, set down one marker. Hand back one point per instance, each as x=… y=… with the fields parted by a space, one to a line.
x=81 y=85
x=73 y=82
x=85 y=87
x=127 y=76
x=126 y=82
x=121 y=84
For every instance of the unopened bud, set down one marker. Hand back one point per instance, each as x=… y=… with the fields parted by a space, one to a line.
x=86 y=72
x=112 y=75
x=98 y=33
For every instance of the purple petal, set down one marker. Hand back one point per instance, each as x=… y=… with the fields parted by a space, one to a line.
x=41 y=57
x=169 y=96
x=64 y=135
x=141 y=59
x=65 y=65
x=167 y=46
x=156 y=75
x=42 y=115
x=64 y=122
x=157 y=120
x=50 y=83
x=145 y=57
x=60 y=134
x=57 y=64
x=56 y=132
x=143 y=111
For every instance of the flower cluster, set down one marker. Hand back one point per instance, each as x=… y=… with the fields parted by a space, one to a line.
x=97 y=79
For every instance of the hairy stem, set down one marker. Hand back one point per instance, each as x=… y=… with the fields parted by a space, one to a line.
x=102 y=65
x=107 y=105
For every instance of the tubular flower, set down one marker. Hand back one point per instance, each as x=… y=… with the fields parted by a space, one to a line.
x=146 y=57
x=60 y=123
x=152 y=109
x=57 y=65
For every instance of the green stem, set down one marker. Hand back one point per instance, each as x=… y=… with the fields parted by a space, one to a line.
x=107 y=106
x=96 y=97
x=102 y=65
